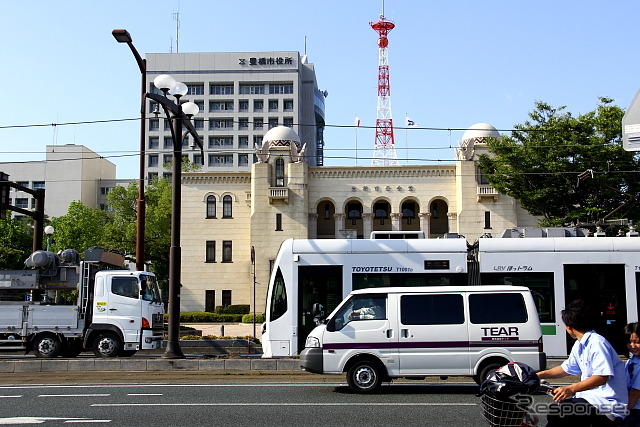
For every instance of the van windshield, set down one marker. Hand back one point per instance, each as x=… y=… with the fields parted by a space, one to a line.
x=361 y=307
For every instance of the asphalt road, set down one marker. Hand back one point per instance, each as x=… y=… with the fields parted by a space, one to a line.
x=249 y=398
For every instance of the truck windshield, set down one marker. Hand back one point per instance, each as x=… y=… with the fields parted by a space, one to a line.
x=150 y=289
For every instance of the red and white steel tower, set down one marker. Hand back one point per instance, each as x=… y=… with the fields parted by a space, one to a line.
x=384 y=153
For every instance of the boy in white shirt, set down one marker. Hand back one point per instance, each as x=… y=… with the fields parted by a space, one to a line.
x=632 y=371
x=601 y=394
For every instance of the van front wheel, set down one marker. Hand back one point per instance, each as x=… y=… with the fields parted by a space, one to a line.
x=364 y=377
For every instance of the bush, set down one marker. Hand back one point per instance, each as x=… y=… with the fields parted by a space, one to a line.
x=202 y=317
x=233 y=309
x=248 y=318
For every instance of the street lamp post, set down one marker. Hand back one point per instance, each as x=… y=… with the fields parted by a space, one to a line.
x=123 y=36
x=179 y=115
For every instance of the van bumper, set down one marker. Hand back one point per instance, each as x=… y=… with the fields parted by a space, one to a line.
x=311 y=360
x=542 y=361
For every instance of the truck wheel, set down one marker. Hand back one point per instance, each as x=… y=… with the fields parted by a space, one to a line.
x=364 y=377
x=47 y=346
x=107 y=344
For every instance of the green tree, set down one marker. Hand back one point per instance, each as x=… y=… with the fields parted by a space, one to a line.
x=121 y=231
x=567 y=169
x=16 y=241
x=80 y=229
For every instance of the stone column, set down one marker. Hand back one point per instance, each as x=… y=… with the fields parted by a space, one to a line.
x=396 y=221
x=425 y=223
x=339 y=220
x=312 y=229
x=452 y=218
x=367 y=225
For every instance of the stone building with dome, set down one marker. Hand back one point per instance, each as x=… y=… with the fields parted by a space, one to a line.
x=234 y=222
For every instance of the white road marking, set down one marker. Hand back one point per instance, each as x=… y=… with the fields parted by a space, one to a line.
x=74 y=395
x=34 y=420
x=145 y=394
x=9 y=397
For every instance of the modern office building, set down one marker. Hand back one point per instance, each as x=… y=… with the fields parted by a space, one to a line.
x=241 y=96
x=69 y=172
x=228 y=216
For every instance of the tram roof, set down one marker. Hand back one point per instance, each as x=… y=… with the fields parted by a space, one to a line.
x=348 y=246
x=561 y=244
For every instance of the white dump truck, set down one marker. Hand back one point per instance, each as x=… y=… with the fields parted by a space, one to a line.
x=117 y=312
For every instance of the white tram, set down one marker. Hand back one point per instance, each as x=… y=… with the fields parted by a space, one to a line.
x=558 y=270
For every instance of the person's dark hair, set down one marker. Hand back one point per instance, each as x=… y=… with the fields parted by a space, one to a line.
x=631 y=328
x=579 y=315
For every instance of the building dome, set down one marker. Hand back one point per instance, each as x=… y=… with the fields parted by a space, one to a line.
x=479 y=131
x=279 y=134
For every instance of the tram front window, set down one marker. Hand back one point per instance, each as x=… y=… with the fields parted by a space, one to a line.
x=278 y=297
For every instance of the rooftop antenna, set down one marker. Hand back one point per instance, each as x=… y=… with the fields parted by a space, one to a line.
x=176 y=16
x=305 y=45
x=384 y=152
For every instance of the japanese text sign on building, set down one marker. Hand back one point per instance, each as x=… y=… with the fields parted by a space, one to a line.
x=279 y=60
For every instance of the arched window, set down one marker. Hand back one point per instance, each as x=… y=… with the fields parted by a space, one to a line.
x=226 y=207
x=211 y=206
x=279 y=173
x=381 y=211
x=354 y=212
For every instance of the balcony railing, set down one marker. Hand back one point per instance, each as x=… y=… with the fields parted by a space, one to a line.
x=279 y=193
x=487 y=191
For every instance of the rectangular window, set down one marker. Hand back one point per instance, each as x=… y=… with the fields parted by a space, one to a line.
x=200 y=105
x=252 y=89
x=487 y=220
x=441 y=309
x=198 y=124
x=167 y=125
x=273 y=105
x=243 y=142
x=273 y=122
x=288 y=104
x=195 y=89
x=257 y=139
x=220 y=141
x=497 y=308
x=243 y=105
x=258 y=123
x=288 y=121
x=226 y=251
x=154 y=124
x=154 y=142
x=541 y=285
x=168 y=142
x=258 y=105
x=210 y=255
x=152 y=176
x=226 y=298
x=38 y=185
x=167 y=158
x=221 y=89
x=153 y=161
x=197 y=159
x=221 y=124
x=243 y=159
x=280 y=88
x=153 y=106
x=243 y=123
x=278 y=222
x=220 y=106
x=221 y=160
x=22 y=202
x=210 y=300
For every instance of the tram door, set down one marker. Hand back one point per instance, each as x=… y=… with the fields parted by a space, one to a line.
x=316 y=284
x=603 y=285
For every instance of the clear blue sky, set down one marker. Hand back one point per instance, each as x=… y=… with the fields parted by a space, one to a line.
x=452 y=64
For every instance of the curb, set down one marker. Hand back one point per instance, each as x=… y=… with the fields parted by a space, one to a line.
x=65 y=365
x=159 y=364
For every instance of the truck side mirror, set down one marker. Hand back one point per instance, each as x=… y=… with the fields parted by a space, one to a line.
x=317 y=309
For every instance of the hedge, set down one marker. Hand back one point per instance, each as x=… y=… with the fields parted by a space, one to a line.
x=199 y=317
x=248 y=318
x=233 y=309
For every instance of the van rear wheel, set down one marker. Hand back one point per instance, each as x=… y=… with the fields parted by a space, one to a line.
x=486 y=369
x=364 y=377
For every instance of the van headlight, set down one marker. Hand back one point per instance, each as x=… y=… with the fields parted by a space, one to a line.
x=312 y=342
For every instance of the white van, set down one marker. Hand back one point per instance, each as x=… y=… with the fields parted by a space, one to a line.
x=379 y=334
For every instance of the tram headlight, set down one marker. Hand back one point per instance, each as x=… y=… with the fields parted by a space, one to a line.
x=312 y=342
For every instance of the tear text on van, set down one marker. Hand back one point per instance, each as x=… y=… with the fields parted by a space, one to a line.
x=501 y=331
